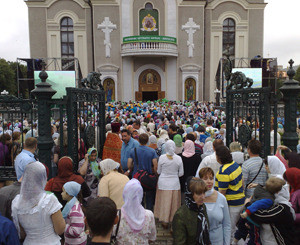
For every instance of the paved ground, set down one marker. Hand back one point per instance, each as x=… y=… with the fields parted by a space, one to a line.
x=164 y=237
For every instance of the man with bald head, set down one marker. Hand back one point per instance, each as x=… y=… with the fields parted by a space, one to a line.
x=211 y=160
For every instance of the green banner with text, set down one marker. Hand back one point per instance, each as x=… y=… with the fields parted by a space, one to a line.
x=160 y=39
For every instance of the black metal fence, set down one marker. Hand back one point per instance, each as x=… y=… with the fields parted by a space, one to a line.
x=17 y=121
x=251 y=113
x=79 y=117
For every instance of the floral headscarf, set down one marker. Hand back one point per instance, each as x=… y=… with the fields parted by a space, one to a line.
x=94 y=165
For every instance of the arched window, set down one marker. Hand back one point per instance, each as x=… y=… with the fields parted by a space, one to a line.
x=67 y=43
x=229 y=36
x=148 y=6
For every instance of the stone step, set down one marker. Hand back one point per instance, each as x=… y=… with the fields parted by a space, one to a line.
x=164 y=236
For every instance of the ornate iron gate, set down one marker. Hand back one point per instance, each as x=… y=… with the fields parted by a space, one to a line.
x=250 y=113
x=86 y=120
x=81 y=117
x=13 y=112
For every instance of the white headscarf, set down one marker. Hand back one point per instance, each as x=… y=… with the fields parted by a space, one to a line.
x=170 y=147
x=276 y=167
x=207 y=149
x=133 y=211
x=108 y=165
x=152 y=139
x=32 y=190
x=163 y=135
x=32 y=186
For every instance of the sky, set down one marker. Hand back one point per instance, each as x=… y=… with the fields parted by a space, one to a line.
x=281 y=30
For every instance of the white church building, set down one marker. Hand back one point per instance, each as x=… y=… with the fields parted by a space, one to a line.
x=148 y=49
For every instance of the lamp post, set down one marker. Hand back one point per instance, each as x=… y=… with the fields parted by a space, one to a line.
x=290 y=90
x=43 y=92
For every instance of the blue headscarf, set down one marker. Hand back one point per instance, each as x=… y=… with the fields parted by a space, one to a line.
x=72 y=188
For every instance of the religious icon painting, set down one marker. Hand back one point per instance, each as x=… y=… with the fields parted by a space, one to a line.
x=149 y=23
x=190 y=89
x=109 y=88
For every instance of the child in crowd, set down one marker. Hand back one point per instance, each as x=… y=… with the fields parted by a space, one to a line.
x=72 y=213
x=101 y=216
x=263 y=198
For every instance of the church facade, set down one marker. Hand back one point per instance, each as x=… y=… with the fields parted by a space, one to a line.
x=148 y=49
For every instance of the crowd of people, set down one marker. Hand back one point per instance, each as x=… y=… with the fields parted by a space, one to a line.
x=162 y=162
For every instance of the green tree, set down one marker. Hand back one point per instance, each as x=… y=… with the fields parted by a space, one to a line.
x=297 y=76
x=7 y=77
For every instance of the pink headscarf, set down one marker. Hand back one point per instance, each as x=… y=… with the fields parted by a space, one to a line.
x=189 y=149
x=133 y=211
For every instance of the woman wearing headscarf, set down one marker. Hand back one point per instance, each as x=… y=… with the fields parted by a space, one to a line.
x=64 y=175
x=190 y=222
x=73 y=215
x=178 y=144
x=208 y=148
x=153 y=142
x=292 y=176
x=163 y=134
x=137 y=225
x=190 y=160
x=168 y=197
x=113 y=144
x=90 y=171
x=112 y=183
x=161 y=147
x=275 y=223
x=35 y=213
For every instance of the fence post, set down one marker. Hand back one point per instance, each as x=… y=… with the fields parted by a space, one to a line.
x=290 y=90
x=43 y=93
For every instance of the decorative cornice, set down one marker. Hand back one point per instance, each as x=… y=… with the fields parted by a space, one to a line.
x=48 y=3
x=243 y=3
x=108 y=68
x=190 y=68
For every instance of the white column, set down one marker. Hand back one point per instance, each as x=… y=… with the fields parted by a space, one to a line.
x=127 y=68
x=171 y=16
x=171 y=92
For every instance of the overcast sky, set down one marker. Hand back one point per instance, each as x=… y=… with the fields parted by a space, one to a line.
x=281 y=39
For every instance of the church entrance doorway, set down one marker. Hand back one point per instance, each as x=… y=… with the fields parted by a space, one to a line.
x=150 y=96
x=149 y=86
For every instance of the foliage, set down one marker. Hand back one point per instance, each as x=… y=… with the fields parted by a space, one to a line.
x=8 y=76
x=297 y=76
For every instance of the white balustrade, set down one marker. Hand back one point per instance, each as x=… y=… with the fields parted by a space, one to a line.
x=149 y=48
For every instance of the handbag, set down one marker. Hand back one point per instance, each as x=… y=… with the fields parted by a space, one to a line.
x=148 y=181
x=255 y=175
x=113 y=239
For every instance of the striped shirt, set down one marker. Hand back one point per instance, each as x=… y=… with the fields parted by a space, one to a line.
x=250 y=169
x=229 y=179
x=74 y=232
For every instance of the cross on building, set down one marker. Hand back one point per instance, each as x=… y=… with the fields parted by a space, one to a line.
x=190 y=27
x=107 y=27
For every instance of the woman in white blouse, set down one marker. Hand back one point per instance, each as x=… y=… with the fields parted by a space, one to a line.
x=35 y=213
x=168 y=195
